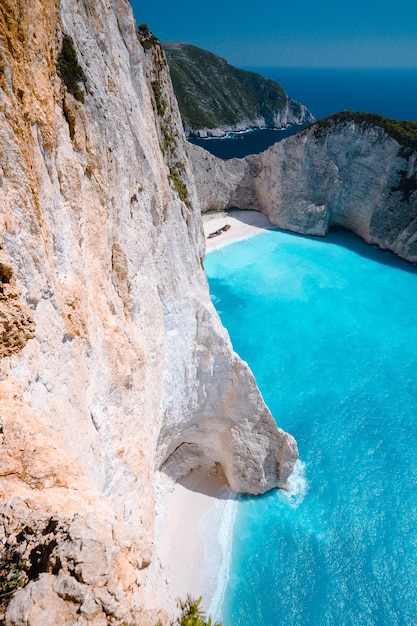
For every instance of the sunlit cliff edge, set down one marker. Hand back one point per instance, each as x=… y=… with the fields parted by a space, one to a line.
x=113 y=359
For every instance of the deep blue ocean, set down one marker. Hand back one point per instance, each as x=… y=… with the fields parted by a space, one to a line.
x=329 y=328
x=390 y=92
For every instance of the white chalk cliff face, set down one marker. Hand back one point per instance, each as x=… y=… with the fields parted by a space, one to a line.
x=113 y=360
x=342 y=173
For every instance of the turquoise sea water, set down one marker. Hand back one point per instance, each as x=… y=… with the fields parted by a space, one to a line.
x=329 y=328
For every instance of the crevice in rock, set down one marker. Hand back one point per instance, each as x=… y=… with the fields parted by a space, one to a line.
x=70 y=119
x=6 y=274
x=40 y=559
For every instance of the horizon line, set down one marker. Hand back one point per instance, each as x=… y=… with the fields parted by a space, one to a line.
x=335 y=67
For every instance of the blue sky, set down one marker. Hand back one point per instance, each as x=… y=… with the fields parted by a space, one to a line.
x=357 y=33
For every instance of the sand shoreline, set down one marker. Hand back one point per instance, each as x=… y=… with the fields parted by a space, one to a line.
x=243 y=224
x=181 y=507
x=179 y=558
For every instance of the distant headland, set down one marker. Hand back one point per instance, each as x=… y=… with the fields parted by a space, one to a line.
x=216 y=98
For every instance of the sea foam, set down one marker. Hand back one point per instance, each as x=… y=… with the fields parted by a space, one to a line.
x=216 y=529
x=298 y=486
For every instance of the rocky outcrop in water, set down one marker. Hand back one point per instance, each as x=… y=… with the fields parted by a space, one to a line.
x=114 y=363
x=348 y=171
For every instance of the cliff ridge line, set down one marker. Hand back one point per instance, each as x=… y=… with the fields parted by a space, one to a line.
x=116 y=357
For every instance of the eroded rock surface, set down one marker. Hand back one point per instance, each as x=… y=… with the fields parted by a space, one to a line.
x=113 y=357
x=16 y=323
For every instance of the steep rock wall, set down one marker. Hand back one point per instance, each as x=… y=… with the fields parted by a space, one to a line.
x=113 y=360
x=349 y=174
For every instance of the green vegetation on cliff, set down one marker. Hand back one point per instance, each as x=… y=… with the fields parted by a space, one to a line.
x=163 y=108
x=146 y=38
x=191 y=614
x=404 y=132
x=213 y=94
x=69 y=69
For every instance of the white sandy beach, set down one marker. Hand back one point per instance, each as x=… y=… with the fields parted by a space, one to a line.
x=242 y=224
x=181 y=507
x=180 y=549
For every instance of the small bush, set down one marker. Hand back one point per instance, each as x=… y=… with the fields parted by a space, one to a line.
x=13 y=576
x=70 y=70
x=143 y=30
x=14 y=579
x=191 y=614
x=175 y=178
x=145 y=37
x=161 y=104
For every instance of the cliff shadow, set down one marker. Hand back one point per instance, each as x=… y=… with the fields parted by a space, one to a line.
x=340 y=236
x=209 y=481
x=336 y=235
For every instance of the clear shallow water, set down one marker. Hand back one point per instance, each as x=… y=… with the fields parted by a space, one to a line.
x=330 y=330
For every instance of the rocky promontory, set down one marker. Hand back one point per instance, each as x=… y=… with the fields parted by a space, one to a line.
x=353 y=170
x=216 y=98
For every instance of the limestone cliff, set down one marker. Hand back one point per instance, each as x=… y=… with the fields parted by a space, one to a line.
x=114 y=363
x=349 y=171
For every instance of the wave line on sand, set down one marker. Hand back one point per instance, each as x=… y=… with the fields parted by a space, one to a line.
x=216 y=528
